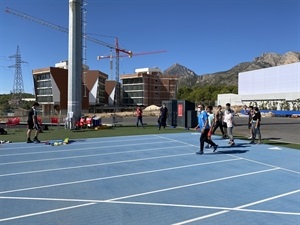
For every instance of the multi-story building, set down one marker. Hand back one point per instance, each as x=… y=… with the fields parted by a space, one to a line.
x=51 y=88
x=148 y=86
x=274 y=88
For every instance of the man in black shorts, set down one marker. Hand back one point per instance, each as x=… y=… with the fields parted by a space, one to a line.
x=32 y=123
x=163 y=115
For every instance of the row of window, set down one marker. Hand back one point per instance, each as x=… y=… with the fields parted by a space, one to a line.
x=44 y=91
x=133 y=94
x=133 y=80
x=44 y=99
x=133 y=87
x=46 y=83
x=45 y=76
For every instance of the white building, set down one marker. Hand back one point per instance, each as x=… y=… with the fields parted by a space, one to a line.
x=270 y=88
x=64 y=65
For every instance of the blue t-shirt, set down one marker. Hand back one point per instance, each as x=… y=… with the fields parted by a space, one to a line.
x=202 y=118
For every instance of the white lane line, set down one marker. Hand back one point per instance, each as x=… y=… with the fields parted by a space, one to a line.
x=78 y=142
x=163 y=204
x=239 y=207
x=266 y=164
x=91 y=155
x=116 y=176
x=82 y=149
x=231 y=155
x=194 y=184
x=45 y=212
x=94 y=165
x=182 y=142
x=202 y=207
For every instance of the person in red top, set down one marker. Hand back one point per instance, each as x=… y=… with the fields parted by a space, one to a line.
x=139 y=116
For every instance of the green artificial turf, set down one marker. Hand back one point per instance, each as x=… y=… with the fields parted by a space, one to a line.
x=59 y=133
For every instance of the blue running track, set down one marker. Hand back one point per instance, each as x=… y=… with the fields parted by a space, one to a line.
x=149 y=179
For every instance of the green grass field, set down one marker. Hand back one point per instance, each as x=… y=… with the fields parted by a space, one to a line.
x=57 y=133
x=54 y=133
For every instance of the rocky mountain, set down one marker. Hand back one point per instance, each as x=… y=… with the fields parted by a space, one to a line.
x=187 y=76
x=230 y=77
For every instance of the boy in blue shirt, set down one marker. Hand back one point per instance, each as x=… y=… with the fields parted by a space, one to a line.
x=204 y=129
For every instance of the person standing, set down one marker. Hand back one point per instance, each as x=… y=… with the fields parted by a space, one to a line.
x=163 y=115
x=32 y=123
x=256 y=120
x=139 y=116
x=229 y=120
x=219 y=121
x=211 y=121
x=204 y=129
x=250 y=115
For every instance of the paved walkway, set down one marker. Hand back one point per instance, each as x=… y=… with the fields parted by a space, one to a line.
x=274 y=128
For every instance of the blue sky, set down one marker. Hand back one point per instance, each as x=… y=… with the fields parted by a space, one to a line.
x=206 y=36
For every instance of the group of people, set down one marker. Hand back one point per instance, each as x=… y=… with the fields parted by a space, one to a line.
x=162 y=117
x=254 y=122
x=209 y=122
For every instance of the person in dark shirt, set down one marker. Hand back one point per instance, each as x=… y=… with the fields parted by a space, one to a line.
x=219 y=121
x=250 y=115
x=256 y=121
x=32 y=123
x=163 y=115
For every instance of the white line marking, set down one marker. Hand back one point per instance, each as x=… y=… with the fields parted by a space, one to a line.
x=231 y=155
x=266 y=164
x=92 y=202
x=116 y=176
x=275 y=148
x=194 y=184
x=82 y=149
x=164 y=204
x=208 y=207
x=92 y=155
x=174 y=140
x=239 y=207
x=45 y=212
x=78 y=142
x=94 y=165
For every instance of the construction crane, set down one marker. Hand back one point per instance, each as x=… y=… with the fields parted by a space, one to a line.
x=91 y=39
x=133 y=54
x=65 y=30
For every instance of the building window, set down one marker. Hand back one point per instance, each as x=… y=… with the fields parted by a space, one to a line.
x=44 y=98
x=45 y=76
x=42 y=83
x=44 y=91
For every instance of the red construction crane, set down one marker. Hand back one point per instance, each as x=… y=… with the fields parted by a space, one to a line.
x=86 y=37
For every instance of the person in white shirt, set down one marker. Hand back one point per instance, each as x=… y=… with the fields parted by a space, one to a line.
x=211 y=122
x=229 y=120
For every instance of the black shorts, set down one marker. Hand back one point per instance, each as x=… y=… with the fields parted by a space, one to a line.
x=30 y=125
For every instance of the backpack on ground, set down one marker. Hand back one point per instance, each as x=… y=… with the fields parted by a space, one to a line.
x=2 y=131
